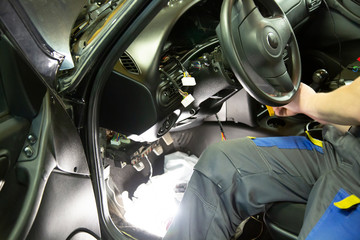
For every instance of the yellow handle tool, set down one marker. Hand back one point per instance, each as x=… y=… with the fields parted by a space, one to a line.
x=270 y=110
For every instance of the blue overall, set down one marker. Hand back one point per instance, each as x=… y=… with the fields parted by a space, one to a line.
x=240 y=178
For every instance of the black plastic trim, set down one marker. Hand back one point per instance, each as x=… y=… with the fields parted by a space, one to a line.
x=109 y=230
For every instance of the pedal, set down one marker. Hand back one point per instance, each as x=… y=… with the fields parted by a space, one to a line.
x=139 y=166
x=158 y=150
x=168 y=139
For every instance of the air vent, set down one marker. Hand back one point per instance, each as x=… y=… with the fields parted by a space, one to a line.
x=313 y=4
x=129 y=64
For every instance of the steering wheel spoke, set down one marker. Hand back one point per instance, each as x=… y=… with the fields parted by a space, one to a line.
x=281 y=83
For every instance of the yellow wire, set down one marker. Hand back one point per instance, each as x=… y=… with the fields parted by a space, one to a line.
x=186 y=74
x=184 y=94
x=78 y=26
x=106 y=22
x=126 y=234
x=223 y=137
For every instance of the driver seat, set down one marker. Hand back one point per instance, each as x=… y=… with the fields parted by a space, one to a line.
x=284 y=220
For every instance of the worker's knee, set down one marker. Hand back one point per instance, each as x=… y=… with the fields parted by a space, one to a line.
x=215 y=165
x=223 y=161
x=212 y=158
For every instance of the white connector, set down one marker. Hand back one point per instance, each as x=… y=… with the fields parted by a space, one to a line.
x=187 y=100
x=188 y=81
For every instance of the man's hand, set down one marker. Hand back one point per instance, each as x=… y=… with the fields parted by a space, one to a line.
x=300 y=104
x=341 y=106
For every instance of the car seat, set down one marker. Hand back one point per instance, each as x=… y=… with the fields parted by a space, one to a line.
x=284 y=220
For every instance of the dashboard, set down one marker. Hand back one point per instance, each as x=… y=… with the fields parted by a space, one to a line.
x=174 y=75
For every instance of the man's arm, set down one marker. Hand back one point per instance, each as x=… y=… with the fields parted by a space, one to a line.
x=341 y=106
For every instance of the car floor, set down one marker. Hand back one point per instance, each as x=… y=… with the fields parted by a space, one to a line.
x=127 y=178
x=193 y=141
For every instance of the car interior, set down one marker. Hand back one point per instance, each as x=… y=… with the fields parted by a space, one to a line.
x=29 y=129
x=174 y=89
x=178 y=87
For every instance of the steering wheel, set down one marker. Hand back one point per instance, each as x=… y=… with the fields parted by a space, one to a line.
x=255 y=41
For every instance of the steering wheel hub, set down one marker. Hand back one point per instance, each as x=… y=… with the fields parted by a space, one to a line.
x=272 y=40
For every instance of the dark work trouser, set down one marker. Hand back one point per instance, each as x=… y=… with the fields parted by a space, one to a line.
x=239 y=178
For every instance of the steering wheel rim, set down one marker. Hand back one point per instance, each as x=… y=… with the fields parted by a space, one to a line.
x=256 y=57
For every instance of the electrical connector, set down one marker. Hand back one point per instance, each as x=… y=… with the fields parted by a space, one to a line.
x=187 y=100
x=115 y=141
x=188 y=81
x=125 y=140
